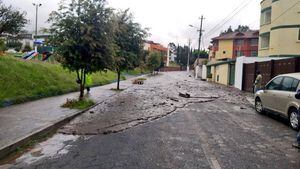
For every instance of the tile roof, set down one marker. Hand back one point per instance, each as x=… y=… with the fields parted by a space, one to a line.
x=238 y=35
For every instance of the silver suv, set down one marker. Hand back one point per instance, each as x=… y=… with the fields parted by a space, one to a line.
x=279 y=96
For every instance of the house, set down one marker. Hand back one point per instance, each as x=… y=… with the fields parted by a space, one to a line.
x=222 y=72
x=156 y=47
x=232 y=45
x=279 y=28
x=224 y=51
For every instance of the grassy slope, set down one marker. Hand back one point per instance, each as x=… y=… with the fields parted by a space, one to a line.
x=136 y=72
x=21 y=81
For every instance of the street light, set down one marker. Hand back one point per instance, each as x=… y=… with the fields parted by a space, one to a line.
x=36 y=15
x=36 y=22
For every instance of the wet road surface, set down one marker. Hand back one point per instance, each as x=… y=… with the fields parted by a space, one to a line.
x=150 y=126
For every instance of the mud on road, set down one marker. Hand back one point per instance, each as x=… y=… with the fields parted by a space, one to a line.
x=215 y=128
x=156 y=98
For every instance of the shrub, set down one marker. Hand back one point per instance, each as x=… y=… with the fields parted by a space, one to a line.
x=27 y=48
x=2 y=45
x=16 y=45
x=78 y=104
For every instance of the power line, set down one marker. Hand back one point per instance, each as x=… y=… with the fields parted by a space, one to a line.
x=212 y=32
x=227 y=16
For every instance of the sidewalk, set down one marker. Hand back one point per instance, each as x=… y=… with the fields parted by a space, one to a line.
x=18 y=123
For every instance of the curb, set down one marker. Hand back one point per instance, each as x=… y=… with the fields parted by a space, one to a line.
x=11 y=147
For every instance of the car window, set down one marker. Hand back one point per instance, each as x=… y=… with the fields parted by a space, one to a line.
x=287 y=84
x=275 y=84
x=295 y=85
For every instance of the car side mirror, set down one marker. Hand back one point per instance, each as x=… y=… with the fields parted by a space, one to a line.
x=297 y=96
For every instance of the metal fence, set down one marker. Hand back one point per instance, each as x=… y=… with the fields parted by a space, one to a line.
x=268 y=69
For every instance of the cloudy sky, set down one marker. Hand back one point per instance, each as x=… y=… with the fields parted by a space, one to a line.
x=168 y=20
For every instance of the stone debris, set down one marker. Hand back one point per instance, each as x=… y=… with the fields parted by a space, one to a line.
x=155 y=99
x=186 y=95
x=139 y=82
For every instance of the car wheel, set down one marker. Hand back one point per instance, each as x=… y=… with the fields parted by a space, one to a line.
x=258 y=106
x=293 y=119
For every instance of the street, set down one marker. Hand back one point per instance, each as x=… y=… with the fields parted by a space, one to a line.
x=150 y=126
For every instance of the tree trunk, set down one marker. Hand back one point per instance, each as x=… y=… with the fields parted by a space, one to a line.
x=82 y=84
x=81 y=91
x=119 y=75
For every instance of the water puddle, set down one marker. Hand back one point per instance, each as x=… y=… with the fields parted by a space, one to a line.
x=58 y=145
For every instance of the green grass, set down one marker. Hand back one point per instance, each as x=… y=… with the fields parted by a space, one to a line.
x=142 y=79
x=78 y=104
x=136 y=72
x=22 y=81
x=116 y=90
x=173 y=64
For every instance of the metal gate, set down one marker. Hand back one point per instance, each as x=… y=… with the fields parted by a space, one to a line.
x=268 y=69
x=231 y=74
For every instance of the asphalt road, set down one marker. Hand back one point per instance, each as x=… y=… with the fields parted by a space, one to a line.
x=218 y=133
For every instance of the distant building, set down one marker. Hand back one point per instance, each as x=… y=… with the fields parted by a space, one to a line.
x=280 y=28
x=172 y=57
x=156 y=47
x=232 y=45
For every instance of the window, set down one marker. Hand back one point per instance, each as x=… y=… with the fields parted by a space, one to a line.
x=239 y=42
x=299 y=34
x=253 y=42
x=287 y=84
x=239 y=53
x=266 y=16
x=254 y=53
x=295 y=85
x=275 y=84
x=265 y=40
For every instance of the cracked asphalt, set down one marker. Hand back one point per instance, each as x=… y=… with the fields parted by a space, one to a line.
x=150 y=126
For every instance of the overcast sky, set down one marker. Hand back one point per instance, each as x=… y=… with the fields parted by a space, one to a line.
x=168 y=20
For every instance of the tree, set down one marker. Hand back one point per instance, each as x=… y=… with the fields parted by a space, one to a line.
x=82 y=36
x=203 y=54
x=154 y=61
x=242 y=28
x=229 y=30
x=14 y=44
x=128 y=39
x=27 y=48
x=2 y=45
x=11 y=20
x=172 y=47
x=182 y=55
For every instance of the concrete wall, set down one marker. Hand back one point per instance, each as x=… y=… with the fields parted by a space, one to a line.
x=204 y=72
x=240 y=61
x=284 y=28
x=222 y=71
x=213 y=73
x=225 y=49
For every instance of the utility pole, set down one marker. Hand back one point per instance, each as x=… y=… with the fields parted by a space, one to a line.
x=188 y=60
x=200 y=35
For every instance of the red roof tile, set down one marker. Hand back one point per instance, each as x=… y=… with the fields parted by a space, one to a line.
x=238 y=35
